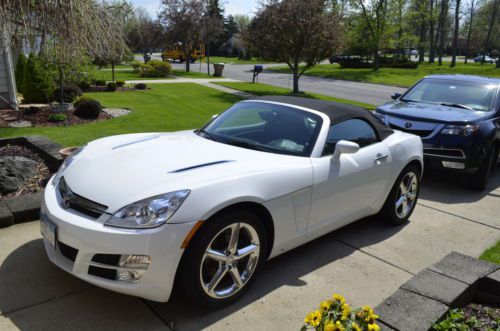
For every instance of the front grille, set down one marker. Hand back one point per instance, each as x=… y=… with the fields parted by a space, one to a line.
x=102 y=272
x=420 y=133
x=454 y=153
x=71 y=200
x=109 y=259
x=67 y=251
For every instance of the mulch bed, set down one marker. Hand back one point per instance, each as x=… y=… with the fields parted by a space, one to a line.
x=488 y=317
x=41 y=118
x=36 y=183
x=103 y=89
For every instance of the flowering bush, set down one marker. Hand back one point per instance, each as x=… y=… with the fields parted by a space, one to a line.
x=336 y=315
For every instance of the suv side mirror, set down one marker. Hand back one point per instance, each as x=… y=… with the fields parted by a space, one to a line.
x=395 y=96
x=344 y=147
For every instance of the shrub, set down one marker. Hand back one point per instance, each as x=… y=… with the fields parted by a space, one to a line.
x=100 y=82
x=70 y=93
x=354 y=62
x=84 y=85
x=155 y=68
x=111 y=87
x=57 y=117
x=140 y=86
x=120 y=83
x=136 y=65
x=87 y=107
x=37 y=85
x=19 y=71
x=336 y=314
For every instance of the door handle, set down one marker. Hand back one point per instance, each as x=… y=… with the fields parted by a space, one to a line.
x=380 y=157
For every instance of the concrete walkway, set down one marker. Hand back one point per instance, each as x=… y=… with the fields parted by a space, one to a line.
x=366 y=261
x=178 y=80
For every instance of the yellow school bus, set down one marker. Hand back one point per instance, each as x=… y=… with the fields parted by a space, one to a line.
x=175 y=53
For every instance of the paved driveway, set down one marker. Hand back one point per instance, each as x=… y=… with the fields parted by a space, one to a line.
x=375 y=94
x=366 y=261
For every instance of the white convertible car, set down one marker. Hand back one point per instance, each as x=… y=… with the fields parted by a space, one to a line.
x=202 y=210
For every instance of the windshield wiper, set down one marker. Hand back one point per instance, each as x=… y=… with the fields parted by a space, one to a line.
x=206 y=134
x=246 y=144
x=456 y=105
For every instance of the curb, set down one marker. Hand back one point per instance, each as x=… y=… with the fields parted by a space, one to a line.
x=425 y=299
x=27 y=207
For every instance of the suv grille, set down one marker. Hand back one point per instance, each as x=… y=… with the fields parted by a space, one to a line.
x=74 y=201
x=420 y=133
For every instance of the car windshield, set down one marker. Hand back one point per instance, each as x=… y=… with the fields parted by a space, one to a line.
x=266 y=127
x=454 y=93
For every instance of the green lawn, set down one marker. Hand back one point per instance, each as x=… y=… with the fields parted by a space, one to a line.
x=165 y=107
x=394 y=76
x=492 y=254
x=234 y=60
x=264 y=89
x=129 y=74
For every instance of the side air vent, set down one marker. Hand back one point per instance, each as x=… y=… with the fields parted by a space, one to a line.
x=199 y=166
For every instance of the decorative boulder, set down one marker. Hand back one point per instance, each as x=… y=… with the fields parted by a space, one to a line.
x=14 y=171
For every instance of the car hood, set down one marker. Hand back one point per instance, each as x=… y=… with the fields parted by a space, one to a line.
x=430 y=112
x=119 y=170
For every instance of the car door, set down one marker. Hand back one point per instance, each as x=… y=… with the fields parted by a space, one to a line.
x=346 y=187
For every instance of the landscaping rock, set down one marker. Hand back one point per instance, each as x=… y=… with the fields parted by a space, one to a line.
x=6 y=218
x=14 y=171
x=405 y=310
x=116 y=112
x=20 y=124
x=463 y=268
x=10 y=118
x=436 y=286
x=25 y=207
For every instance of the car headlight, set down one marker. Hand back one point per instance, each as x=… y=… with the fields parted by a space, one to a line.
x=148 y=213
x=465 y=130
x=380 y=116
x=67 y=161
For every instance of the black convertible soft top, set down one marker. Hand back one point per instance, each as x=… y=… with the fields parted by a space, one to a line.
x=336 y=111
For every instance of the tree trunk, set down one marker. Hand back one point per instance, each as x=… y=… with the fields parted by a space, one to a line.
x=455 y=34
x=61 y=85
x=188 y=61
x=113 y=71
x=295 y=72
x=432 y=21
x=376 y=60
x=467 y=44
x=208 y=58
x=490 y=28
x=442 y=17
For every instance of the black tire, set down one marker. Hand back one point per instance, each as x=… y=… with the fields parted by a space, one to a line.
x=389 y=212
x=189 y=282
x=479 y=180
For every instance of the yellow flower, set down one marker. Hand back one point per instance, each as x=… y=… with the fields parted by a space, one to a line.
x=330 y=326
x=368 y=310
x=326 y=305
x=373 y=327
x=356 y=327
x=339 y=298
x=313 y=318
x=339 y=326
x=346 y=311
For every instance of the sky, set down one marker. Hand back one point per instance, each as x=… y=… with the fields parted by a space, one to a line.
x=231 y=7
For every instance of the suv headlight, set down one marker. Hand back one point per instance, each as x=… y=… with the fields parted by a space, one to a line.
x=67 y=161
x=465 y=130
x=380 y=116
x=148 y=213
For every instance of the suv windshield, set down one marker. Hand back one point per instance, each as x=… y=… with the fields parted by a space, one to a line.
x=266 y=127
x=454 y=93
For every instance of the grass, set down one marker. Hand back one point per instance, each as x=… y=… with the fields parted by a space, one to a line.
x=264 y=89
x=164 y=107
x=492 y=254
x=106 y=74
x=396 y=76
x=234 y=60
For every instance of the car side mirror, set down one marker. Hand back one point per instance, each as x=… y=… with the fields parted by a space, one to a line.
x=344 y=147
x=395 y=96
x=214 y=116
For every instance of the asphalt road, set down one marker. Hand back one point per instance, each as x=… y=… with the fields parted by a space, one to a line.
x=365 y=261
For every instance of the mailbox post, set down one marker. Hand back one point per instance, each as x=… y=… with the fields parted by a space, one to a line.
x=257 y=69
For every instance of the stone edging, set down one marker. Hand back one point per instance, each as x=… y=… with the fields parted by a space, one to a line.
x=27 y=207
x=453 y=282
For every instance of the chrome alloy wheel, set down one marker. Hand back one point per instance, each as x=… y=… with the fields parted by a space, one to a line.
x=229 y=260
x=407 y=195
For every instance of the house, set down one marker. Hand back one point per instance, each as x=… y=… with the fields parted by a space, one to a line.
x=7 y=81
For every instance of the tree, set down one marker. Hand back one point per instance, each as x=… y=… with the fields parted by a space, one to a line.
x=242 y=21
x=432 y=21
x=182 y=22
x=455 y=34
x=492 y=23
x=144 y=34
x=294 y=32
x=469 y=30
x=19 y=71
x=37 y=85
x=213 y=27
x=443 y=15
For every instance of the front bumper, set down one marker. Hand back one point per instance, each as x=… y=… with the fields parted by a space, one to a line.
x=449 y=159
x=88 y=237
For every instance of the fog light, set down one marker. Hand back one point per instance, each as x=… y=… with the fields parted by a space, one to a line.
x=453 y=165
x=134 y=261
x=129 y=275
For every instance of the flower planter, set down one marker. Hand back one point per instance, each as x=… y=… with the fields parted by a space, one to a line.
x=65 y=152
x=62 y=108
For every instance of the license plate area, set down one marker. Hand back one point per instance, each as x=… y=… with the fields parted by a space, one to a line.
x=48 y=230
